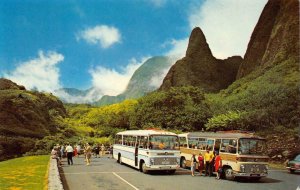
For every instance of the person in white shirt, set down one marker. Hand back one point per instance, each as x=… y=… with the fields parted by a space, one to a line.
x=69 y=151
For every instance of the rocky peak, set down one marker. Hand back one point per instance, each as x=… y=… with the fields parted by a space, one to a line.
x=197 y=44
x=200 y=68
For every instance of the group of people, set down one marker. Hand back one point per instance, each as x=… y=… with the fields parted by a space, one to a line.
x=211 y=161
x=58 y=152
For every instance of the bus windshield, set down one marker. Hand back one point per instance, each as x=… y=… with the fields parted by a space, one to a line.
x=163 y=142
x=252 y=146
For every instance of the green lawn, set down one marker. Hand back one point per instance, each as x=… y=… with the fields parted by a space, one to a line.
x=24 y=173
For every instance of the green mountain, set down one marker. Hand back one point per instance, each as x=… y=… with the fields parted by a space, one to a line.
x=25 y=116
x=147 y=78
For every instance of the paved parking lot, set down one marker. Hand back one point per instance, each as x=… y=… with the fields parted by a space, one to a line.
x=106 y=173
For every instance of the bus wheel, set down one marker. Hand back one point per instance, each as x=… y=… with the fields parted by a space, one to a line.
x=228 y=173
x=183 y=162
x=143 y=168
x=119 y=159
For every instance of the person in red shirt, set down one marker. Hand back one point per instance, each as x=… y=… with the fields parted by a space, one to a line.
x=201 y=163
x=218 y=165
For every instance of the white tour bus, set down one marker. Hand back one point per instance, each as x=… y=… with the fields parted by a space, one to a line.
x=243 y=154
x=147 y=150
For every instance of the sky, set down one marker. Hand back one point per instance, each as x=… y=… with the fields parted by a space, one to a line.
x=52 y=44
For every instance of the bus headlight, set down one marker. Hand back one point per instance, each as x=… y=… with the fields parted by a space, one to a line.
x=152 y=161
x=178 y=161
x=242 y=168
x=266 y=169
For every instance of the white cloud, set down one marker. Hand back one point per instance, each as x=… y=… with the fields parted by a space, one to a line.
x=178 y=48
x=158 y=78
x=112 y=82
x=103 y=35
x=158 y=3
x=227 y=24
x=92 y=95
x=41 y=73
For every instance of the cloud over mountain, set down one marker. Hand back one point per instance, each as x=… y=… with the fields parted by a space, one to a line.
x=112 y=82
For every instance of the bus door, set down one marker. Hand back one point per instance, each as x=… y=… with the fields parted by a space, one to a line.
x=136 y=151
x=210 y=144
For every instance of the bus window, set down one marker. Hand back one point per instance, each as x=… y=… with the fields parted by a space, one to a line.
x=210 y=144
x=202 y=144
x=193 y=142
x=118 y=139
x=143 y=142
x=228 y=145
x=183 y=142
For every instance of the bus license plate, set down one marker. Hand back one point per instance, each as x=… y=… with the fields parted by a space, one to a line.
x=255 y=175
x=165 y=162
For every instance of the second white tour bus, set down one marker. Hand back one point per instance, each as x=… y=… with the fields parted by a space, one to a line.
x=147 y=150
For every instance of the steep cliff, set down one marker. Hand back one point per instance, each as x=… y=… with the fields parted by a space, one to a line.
x=200 y=68
x=275 y=37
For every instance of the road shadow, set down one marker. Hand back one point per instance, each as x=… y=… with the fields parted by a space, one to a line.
x=263 y=180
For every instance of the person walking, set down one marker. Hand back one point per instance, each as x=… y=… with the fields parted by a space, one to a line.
x=200 y=163
x=88 y=153
x=111 y=151
x=102 y=150
x=218 y=165
x=208 y=156
x=97 y=150
x=78 y=150
x=69 y=151
x=193 y=164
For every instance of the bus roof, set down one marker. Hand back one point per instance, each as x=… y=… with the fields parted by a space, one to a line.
x=221 y=134
x=145 y=132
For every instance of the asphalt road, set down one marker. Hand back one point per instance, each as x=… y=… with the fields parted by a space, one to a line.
x=105 y=173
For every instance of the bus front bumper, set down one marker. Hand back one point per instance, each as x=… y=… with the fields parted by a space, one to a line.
x=238 y=174
x=162 y=167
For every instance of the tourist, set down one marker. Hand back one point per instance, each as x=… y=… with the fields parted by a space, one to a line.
x=102 y=150
x=193 y=164
x=111 y=151
x=78 y=150
x=208 y=156
x=97 y=150
x=88 y=153
x=218 y=165
x=200 y=164
x=69 y=151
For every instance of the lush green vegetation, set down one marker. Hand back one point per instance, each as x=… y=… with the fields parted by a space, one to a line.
x=180 y=108
x=24 y=173
x=263 y=100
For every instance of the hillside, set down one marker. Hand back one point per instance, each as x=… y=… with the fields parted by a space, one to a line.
x=147 y=78
x=200 y=68
x=25 y=116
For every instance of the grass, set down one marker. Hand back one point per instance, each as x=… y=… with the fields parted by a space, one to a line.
x=24 y=173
